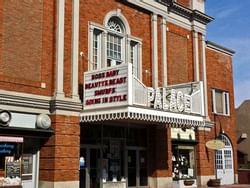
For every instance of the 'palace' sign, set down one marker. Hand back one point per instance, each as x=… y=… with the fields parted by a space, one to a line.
x=169 y=100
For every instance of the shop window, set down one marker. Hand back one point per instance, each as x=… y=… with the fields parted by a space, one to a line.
x=220 y=102
x=183 y=162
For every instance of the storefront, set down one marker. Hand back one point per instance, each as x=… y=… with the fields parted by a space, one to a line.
x=20 y=140
x=183 y=157
x=119 y=115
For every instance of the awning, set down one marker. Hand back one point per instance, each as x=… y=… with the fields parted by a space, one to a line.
x=142 y=114
x=11 y=139
x=25 y=132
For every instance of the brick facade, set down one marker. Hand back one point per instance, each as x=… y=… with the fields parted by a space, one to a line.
x=28 y=65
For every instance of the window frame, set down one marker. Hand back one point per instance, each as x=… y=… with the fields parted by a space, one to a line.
x=126 y=41
x=225 y=102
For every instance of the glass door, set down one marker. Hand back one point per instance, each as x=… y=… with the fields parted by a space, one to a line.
x=137 y=167
x=90 y=170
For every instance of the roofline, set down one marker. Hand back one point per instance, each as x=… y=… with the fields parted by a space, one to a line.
x=163 y=7
x=220 y=48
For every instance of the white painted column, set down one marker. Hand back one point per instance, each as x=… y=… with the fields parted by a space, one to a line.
x=196 y=56
x=204 y=75
x=154 y=51
x=104 y=50
x=128 y=51
x=164 y=52
x=75 y=50
x=60 y=49
x=140 y=59
x=90 y=38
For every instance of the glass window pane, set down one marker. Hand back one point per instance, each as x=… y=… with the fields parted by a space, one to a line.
x=219 y=102
x=143 y=168
x=131 y=168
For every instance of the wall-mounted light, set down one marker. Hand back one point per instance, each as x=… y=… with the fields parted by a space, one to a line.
x=5 y=118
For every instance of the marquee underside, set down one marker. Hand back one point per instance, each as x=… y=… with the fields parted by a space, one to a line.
x=142 y=114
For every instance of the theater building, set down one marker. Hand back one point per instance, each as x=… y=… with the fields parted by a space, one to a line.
x=118 y=93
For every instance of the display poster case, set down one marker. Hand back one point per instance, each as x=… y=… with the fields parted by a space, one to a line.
x=10 y=162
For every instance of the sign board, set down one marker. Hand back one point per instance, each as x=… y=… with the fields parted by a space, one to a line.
x=7 y=149
x=182 y=98
x=112 y=87
x=13 y=168
x=215 y=144
x=106 y=87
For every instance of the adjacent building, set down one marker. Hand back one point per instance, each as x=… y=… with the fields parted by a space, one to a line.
x=243 y=132
x=114 y=93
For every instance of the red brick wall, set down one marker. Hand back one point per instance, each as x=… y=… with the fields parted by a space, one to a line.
x=219 y=76
x=185 y=3
x=180 y=55
x=159 y=151
x=59 y=159
x=67 y=48
x=27 y=46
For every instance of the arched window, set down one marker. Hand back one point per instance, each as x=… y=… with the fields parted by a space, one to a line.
x=225 y=139
x=115 y=25
x=115 y=42
x=112 y=44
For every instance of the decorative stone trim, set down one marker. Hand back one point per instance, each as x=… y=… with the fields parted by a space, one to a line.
x=24 y=101
x=175 y=8
x=56 y=105
x=29 y=101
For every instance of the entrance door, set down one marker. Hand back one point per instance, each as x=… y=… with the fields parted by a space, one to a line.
x=29 y=169
x=224 y=162
x=90 y=174
x=137 y=167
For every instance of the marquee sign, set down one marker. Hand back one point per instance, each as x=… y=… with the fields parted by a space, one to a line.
x=113 y=86
x=105 y=88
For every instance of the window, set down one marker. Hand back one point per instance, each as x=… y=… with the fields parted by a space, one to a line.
x=134 y=58
x=112 y=44
x=220 y=102
x=114 y=52
x=96 y=63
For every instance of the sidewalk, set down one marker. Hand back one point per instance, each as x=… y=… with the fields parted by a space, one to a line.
x=232 y=186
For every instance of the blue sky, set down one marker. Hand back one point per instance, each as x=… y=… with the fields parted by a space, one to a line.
x=231 y=29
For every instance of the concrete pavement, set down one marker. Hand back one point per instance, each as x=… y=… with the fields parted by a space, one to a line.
x=232 y=186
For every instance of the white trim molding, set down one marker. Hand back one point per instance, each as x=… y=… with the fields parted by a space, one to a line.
x=219 y=48
x=31 y=103
x=204 y=72
x=118 y=14
x=196 y=56
x=75 y=50
x=164 y=52
x=154 y=39
x=60 y=49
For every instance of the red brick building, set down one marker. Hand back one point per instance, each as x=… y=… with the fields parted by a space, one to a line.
x=113 y=93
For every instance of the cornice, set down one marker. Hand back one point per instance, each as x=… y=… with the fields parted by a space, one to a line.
x=25 y=101
x=165 y=7
x=219 y=48
x=31 y=103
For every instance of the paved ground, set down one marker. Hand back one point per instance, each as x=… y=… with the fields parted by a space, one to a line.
x=233 y=186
